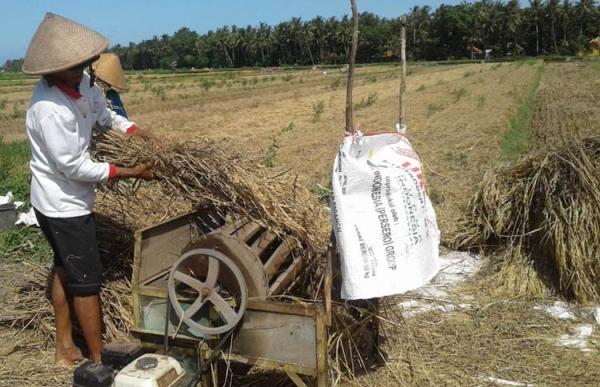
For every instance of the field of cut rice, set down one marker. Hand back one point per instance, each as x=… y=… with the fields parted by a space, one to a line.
x=463 y=120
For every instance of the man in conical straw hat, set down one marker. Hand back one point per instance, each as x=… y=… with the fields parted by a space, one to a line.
x=64 y=107
x=109 y=75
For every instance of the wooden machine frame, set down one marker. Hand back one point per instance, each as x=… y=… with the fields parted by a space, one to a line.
x=277 y=321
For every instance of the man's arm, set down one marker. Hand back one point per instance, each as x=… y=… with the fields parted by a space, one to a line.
x=143 y=171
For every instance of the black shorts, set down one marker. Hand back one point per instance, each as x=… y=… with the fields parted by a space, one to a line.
x=73 y=241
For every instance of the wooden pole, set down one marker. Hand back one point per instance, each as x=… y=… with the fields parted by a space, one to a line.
x=349 y=106
x=402 y=119
x=327 y=288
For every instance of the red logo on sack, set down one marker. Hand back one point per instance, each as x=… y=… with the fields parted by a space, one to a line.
x=417 y=171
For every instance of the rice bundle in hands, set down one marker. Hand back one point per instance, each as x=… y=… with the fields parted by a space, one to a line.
x=203 y=173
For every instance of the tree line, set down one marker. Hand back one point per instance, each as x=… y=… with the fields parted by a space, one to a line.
x=466 y=30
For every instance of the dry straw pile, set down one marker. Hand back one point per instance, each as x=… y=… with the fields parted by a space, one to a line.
x=204 y=172
x=547 y=208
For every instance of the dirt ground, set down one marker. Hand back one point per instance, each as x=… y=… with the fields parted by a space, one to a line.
x=457 y=115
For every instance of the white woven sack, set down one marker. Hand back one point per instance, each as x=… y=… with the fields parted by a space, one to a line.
x=383 y=220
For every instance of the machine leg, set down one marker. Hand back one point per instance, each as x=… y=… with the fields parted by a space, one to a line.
x=203 y=355
x=295 y=378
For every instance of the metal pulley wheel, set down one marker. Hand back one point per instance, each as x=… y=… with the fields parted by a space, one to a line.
x=215 y=284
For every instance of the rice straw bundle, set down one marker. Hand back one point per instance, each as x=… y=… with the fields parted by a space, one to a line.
x=549 y=205
x=203 y=173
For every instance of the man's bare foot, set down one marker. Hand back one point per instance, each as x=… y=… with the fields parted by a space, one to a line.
x=68 y=357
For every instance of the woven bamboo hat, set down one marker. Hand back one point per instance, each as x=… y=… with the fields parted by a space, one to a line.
x=59 y=44
x=108 y=69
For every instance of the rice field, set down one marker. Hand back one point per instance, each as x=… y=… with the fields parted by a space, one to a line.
x=459 y=118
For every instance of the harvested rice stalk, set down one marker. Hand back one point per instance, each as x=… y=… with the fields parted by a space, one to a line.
x=203 y=173
x=549 y=204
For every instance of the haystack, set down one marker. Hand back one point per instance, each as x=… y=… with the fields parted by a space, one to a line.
x=547 y=207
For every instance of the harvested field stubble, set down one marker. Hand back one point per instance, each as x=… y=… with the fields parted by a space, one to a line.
x=567 y=103
x=548 y=204
x=457 y=145
x=479 y=341
x=27 y=325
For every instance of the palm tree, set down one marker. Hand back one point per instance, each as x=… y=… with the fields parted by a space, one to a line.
x=535 y=8
x=319 y=33
x=512 y=22
x=223 y=39
x=566 y=12
x=264 y=41
x=282 y=37
x=552 y=9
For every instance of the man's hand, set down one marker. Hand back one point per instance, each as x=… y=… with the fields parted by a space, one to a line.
x=143 y=171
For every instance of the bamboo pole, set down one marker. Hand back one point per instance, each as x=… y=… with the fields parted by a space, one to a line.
x=327 y=288
x=402 y=118
x=351 y=60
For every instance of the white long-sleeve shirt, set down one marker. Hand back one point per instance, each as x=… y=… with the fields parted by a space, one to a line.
x=59 y=126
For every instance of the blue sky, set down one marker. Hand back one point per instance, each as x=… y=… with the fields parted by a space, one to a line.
x=134 y=20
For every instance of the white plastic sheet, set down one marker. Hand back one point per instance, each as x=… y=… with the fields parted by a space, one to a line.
x=27 y=218
x=383 y=220
x=6 y=199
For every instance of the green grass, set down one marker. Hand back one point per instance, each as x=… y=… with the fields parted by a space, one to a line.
x=318 y=109
x=14 y=169
x=19 y=243
x=515 y=140
x=480 y=101
x=288 y=128
x=271 y=154
x=336 y=84
x=366 y=102
x=458 y=93
x=207 y=84
x=322 y=193
x=434 y=108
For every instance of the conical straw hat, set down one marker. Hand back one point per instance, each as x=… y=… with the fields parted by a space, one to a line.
x=59 y=44
x=108 y=69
